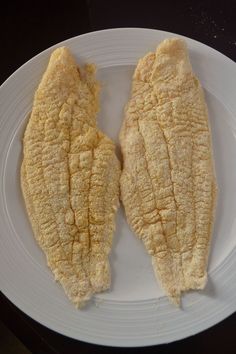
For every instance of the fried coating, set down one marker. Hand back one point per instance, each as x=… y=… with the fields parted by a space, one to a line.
x=70 y=178
x=168 y=185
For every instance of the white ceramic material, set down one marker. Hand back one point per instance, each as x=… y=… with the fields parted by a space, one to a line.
x=134 y=312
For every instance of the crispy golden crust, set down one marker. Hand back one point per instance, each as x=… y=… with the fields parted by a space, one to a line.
x=70 y=178
x=168 y=185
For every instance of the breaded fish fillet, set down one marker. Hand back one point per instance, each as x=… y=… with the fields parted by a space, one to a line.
x=168 y=185
x=70 y=178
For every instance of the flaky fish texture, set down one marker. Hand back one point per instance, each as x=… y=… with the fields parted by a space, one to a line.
x=70 y=178
x=168 y=185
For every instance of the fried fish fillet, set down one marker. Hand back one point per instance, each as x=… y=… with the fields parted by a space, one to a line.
x=70 y=178
x=168 y=185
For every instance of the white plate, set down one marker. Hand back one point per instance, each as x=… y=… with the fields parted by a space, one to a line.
x=134 y=312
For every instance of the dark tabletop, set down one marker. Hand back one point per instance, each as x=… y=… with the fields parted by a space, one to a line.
x=26 y=29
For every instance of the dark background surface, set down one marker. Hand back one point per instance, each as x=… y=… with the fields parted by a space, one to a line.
x=27 y=29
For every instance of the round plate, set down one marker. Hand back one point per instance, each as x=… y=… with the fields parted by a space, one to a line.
x=134 y=312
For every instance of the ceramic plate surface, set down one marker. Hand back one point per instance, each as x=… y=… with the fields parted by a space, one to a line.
x=134 y=312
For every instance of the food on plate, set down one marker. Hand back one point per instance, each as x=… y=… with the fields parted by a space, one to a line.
x=168 y=184
x=70 y=178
